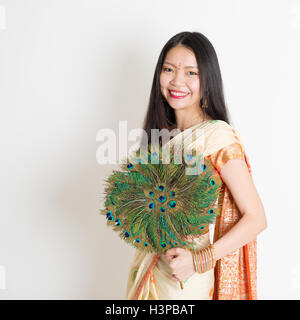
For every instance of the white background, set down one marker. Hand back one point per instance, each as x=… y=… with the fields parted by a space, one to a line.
x=69 y=68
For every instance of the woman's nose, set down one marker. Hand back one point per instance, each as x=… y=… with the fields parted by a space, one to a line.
x=178 y=77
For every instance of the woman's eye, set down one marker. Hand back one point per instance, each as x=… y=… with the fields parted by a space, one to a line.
x=166 y=69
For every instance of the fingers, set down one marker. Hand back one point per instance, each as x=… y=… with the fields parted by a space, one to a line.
x=174 y=277
x=172 y=252
x=174 y=263
x=174 y=258
x=183 y=277
x=175 y=270
x=170 y=259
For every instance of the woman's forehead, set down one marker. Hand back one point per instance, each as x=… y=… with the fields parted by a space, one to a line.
x=181 y=57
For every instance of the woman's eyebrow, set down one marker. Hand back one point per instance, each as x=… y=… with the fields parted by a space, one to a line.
x=176 y=67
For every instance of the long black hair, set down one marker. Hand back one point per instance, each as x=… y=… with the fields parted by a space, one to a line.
x=159 y=114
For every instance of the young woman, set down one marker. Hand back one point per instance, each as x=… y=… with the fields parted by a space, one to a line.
x=187 y=93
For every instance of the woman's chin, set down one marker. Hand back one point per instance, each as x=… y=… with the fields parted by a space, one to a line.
x=176 y=105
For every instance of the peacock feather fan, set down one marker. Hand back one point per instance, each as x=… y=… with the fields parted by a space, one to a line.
x=155 y=205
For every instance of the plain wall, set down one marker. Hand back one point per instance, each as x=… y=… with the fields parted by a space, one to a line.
x=69 y=68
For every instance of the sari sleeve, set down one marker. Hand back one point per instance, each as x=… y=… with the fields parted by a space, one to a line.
x=230 y=147
x=235 y=273
x=222 y=156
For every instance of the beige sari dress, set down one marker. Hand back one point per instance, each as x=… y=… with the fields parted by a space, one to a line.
x=234 y=276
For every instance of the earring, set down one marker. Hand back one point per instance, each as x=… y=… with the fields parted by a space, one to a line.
x=205 y=105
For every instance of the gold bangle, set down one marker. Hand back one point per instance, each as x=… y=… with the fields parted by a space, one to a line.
x=204 y=259
x=194 y=261
x=212 y=258
x=214 y=254
x=201 y=261
x=207 y=259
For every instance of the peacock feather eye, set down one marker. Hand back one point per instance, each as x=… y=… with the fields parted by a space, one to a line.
x=162 y=199
x=146 y=244
x=129 y=166
x=162 y=209
x=127 y=234
x=203 y=167
x=151 y=205
x=212 y=182
x=189 y=156
x=163 y=244
x=109 y=216
x=161 y=188
x=149 y=192
x=118 y=222
x=172 y=204
x=172 y=194
x=117 y=183
x=137 y=240
x=201 y=227
x=211 y=211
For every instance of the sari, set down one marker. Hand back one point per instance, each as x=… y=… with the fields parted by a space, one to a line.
x=235 y=275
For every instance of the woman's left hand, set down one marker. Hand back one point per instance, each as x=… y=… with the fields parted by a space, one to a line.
x=181 y=263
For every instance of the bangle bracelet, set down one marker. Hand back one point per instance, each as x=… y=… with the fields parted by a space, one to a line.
x=194 y=260
x=204 y=259
x=214 y=255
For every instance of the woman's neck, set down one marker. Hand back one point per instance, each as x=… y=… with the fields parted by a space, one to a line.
x=187 y=121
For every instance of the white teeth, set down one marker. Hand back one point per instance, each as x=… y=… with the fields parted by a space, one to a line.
x=179 y=94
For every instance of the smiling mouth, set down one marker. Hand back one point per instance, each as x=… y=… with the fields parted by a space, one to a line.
x=178 y=95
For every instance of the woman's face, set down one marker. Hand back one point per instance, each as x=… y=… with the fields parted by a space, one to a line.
x=180 y=73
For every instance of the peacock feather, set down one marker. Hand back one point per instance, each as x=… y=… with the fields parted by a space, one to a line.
x=154 y=205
